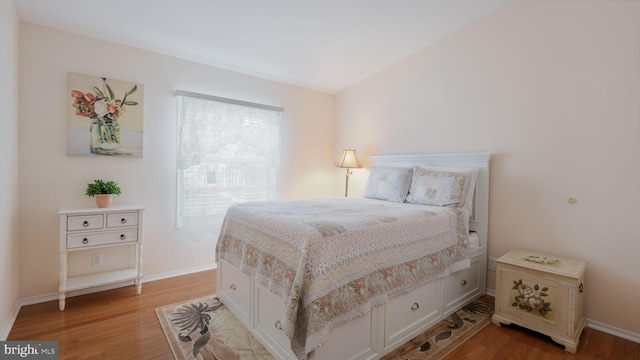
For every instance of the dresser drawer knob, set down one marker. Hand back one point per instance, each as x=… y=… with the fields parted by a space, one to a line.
x=123 y=221
x=85 y=223
x=463 y=282
x=122 y=237
x=85 y=241
x=232 y=287
x=581 y=287
x=278 y=325
x=415 y=306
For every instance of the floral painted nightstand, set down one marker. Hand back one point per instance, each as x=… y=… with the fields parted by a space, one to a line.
x=543 y=293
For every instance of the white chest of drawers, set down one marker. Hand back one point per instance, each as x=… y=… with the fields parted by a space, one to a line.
x=95 y=228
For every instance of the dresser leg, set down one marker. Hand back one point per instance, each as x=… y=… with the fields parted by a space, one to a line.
x=138 y=283
x=569 y=346
x=499 y=321
x=139 y=260
x=61 y=299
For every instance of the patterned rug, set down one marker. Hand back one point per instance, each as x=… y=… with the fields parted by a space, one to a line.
x=204 y=329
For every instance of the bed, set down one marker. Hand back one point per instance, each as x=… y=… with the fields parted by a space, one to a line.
x=356 y=278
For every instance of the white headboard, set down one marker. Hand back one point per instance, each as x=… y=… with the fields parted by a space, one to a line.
x=480 y=217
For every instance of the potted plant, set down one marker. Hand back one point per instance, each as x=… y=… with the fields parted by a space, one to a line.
x=103 y=191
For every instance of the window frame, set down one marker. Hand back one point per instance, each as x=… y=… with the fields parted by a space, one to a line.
x=180 y=172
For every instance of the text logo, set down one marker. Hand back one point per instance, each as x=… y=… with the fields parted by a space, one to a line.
x=33 y=350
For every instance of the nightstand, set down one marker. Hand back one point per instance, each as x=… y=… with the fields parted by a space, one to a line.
x=98 y=228
x=544 y=293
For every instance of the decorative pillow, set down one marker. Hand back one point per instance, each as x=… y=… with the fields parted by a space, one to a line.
x=388 y=183
x=443 y=186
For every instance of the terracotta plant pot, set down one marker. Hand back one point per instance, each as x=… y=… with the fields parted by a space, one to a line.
x=104 y=200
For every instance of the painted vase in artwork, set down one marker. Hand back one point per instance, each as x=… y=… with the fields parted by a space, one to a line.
x=105 y=136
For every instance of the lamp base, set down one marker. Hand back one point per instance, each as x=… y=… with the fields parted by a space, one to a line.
x=346 y=185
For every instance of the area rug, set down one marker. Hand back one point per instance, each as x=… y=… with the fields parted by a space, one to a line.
x=204 y=329
x=444 y=337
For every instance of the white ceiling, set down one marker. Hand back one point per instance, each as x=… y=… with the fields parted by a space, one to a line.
x=325 y=45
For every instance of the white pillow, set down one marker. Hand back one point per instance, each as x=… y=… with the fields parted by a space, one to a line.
x=388 y=183
x=443 y=186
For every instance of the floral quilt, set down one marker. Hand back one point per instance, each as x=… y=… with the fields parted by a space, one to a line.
x=332 y=260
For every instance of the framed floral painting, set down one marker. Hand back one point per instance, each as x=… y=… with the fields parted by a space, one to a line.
x=105 y=117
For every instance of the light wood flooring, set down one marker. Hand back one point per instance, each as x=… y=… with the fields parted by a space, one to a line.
x=118 y=324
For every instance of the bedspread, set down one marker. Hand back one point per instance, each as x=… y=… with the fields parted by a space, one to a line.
x=333 y=260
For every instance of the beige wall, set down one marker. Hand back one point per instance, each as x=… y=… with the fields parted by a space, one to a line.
x=49 y=179
x=552 y=89
x=8 y=162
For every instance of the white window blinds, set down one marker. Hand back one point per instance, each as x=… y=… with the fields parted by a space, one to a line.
x=229 y=151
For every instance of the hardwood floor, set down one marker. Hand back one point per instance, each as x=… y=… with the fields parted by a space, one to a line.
x=512 y=342
x=113 y=324
x=117 y=324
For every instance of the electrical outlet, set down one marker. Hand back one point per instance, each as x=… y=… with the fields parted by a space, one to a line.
x=492 y=264
x=96 y=259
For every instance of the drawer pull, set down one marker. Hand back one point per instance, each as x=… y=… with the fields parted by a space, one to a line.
x=123 y=221
x=85 y=223
x=278 y=325
x=463 y=282
x=581 y=287
x=85 y=241
x=232 y=287
x=415 y=306
x=122 y=237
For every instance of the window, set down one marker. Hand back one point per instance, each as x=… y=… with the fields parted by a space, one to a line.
x=229 y=151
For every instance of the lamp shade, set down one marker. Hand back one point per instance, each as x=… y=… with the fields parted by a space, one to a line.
x=349 y=159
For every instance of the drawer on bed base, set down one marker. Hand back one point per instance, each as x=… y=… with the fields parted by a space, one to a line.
x=409 y=312
x=353 y=340
x=348 y=341
x=269 y=315
x=462 y=286
x=234 y=289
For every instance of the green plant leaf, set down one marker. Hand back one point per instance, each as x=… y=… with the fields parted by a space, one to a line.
x=102 y=187
x=132 y=90
x=98 y=92
x=111 y=95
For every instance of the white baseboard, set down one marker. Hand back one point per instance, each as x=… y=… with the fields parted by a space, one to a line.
x=612 y=330
x=54 y=296
x=12 y=318
x=179 y=273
